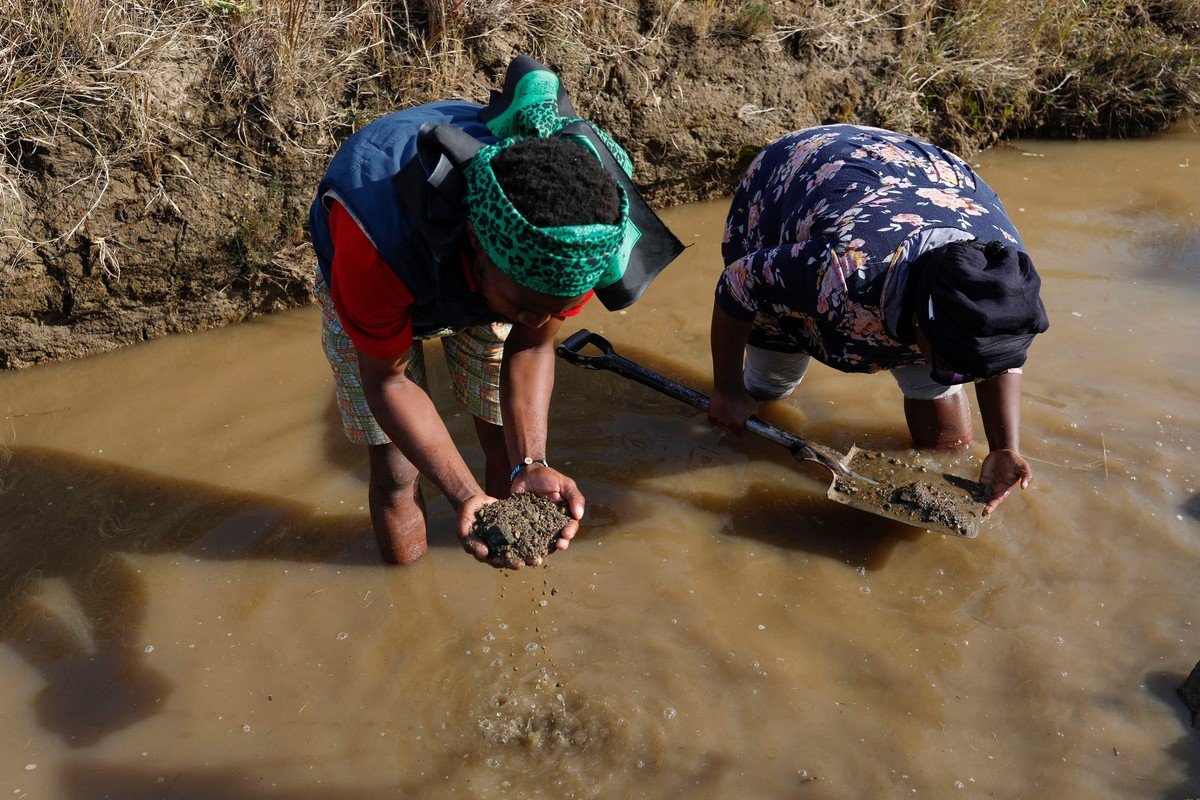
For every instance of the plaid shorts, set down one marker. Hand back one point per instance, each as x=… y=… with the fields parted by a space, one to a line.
x=472 y=357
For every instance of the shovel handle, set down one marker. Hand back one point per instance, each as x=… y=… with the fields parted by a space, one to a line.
x=570 y=349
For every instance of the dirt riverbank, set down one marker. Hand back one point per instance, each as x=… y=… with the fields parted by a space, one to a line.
x=155 y=171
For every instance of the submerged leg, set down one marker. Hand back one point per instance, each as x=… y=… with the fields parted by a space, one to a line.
x=941 y=424
x=491 y=439
x=397 y=505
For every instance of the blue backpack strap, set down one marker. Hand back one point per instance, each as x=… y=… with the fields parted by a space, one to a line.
x=432 y=187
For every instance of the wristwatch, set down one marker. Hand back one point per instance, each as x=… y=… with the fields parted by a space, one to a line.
x=523 y=465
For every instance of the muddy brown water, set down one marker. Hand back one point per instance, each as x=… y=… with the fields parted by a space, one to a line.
x=192 y=606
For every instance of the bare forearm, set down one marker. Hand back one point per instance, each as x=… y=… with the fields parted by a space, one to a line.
x=1000 y=405
x=526 y=385
x=411 y=421
x=728 y=338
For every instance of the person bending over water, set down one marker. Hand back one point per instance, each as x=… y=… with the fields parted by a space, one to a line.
x=867 y=250
x=486 y=226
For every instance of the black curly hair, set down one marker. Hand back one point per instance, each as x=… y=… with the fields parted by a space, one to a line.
x=556 y=183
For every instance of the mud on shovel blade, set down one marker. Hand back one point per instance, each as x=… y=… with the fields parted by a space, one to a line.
x=877 y=484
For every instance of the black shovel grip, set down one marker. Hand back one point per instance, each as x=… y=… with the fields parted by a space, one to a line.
x=570 y=349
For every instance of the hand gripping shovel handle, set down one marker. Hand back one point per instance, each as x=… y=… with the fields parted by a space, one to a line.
x=801 y=449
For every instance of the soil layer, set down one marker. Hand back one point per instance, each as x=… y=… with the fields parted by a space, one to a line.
x=913 y=494
x=183 y=206
x=522 y=527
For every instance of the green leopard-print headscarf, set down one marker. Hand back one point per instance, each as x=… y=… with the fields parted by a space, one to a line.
x=562 y=261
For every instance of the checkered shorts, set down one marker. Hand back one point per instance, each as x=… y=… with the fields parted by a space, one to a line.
x=472 y=357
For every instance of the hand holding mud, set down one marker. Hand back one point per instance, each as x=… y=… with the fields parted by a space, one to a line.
x=551 y=484
x=563 y=504
x=520 y=530
x=1003 y=470
x=466 y=520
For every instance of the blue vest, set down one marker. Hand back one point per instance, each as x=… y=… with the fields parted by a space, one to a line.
x=363 y=178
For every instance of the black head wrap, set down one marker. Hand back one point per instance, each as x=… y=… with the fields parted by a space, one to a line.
x=979 y=306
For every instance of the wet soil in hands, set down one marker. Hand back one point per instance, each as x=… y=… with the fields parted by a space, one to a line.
x=523 y=526
x=914 y=494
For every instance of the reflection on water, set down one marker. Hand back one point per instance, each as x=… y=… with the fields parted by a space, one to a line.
x=191 y=606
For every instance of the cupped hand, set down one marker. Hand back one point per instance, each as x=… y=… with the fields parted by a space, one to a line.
x=1003 y=471
x=470 y=542
x=557 y=488
x=730 y=410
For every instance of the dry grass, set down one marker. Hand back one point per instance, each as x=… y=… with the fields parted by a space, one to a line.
x=303 y=70
x=127 y=82
x=979 y=69
x=115 y=79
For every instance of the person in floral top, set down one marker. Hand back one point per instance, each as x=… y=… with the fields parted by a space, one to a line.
x=872 y=250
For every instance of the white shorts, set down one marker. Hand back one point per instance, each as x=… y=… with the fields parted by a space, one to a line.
x=770 y=375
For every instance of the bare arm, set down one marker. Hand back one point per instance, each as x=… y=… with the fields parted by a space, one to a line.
x=1000 y=405
x=731 y=405
x=409 y=418
x=526 y=384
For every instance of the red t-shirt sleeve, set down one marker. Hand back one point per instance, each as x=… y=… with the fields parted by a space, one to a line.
x=372 y=302
x=573 y=311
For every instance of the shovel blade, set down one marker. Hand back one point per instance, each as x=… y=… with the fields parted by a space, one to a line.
x=917 y=496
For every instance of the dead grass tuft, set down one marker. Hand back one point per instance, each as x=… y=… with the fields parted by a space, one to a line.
x=976 y=70
x=131 y=84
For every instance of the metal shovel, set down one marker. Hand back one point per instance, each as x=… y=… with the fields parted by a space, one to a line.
x=902 y=492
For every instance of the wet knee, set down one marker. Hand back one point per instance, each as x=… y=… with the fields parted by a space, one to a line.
x=405 y=551
x=391 y=488
x=947 y=439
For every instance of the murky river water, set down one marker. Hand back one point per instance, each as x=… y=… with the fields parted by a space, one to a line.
x=192 y=606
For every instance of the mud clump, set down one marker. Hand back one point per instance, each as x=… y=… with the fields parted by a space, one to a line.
x=932 y=505
x=522 y=527
x=914 y=494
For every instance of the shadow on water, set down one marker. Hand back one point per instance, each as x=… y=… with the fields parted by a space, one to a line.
x=1186 y=749
x=1191 y=506
x=78 y=523
x=76 y=519
x=791 y=518
x=86 y=780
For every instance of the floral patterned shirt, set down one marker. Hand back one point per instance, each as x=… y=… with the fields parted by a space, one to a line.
x=822 y=229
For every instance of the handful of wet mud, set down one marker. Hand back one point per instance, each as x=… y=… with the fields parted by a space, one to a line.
x=522 y=527
x=915 y=495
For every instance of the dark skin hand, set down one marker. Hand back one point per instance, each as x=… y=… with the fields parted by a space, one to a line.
x=526 y=383
x=1003 y=470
